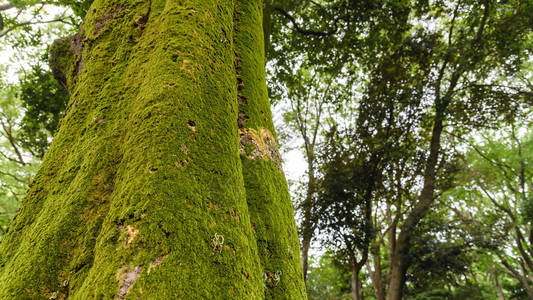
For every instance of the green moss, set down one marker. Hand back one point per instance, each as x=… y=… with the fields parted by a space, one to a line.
x=145 y=168
x=267 y=194
x=61 y=59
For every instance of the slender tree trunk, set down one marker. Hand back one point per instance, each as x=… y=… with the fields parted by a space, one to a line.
x=376 y=277
x=143 y=193
x=497 y=286
x=306 y=244
x=355 y=283
x=308 y=227
x=356 y=269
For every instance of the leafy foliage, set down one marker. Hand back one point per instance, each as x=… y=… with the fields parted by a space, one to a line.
x=326 y=280
x=43 y=101
x=421 y=82
x=31 y=106
x=17 y=166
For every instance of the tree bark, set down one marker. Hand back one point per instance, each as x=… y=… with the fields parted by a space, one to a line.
x=267 y=194
x=163 y=180
x=396 y=278
x=306 y=245
x=356 y=269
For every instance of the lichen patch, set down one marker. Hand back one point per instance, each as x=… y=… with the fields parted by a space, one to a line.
x=259 y=145
x=129 y=279
x=250 y=144
x=157 y=261
x=131 y=232
x=272 y=148
x=188 y=66
x=106 y=18
x=77 y=45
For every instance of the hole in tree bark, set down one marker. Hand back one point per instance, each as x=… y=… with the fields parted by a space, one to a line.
x=192 y=125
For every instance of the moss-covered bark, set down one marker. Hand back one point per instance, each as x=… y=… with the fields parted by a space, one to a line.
x=145 y=192
x=266 y=188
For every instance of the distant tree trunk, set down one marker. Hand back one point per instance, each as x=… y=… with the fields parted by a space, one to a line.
x=497 y=286
x=164 y=180
x=376 y=277
x=356 y=269
x=308 y=226
x=309 y=133
x=306 y=245
x=356 y=284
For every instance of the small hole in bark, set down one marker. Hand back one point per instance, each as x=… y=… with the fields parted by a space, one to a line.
x=245 y=274
x=192 y=125
x=242 y=118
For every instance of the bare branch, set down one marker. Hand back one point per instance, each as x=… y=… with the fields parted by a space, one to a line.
x=14 y=177
x=11 y=139
x=305 y=31
x=6 y=6
x=33 y=21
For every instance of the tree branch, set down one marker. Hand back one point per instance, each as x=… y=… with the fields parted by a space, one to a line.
x=6 y=6
x=479 y=34
x=62 y=19
x=507 y=20
x=14 y=177
x=8 y=134
x=300 y=30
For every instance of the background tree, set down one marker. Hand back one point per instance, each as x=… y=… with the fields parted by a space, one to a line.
x=317 y=50
x=32 y=104
x=452 y=70
x=495 y=195
x=326 y=280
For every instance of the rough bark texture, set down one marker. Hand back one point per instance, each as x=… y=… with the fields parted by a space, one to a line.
x=267 y=193
x=146 y=192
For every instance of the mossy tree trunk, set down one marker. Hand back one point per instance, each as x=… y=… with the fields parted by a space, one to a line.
x=164 y=180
